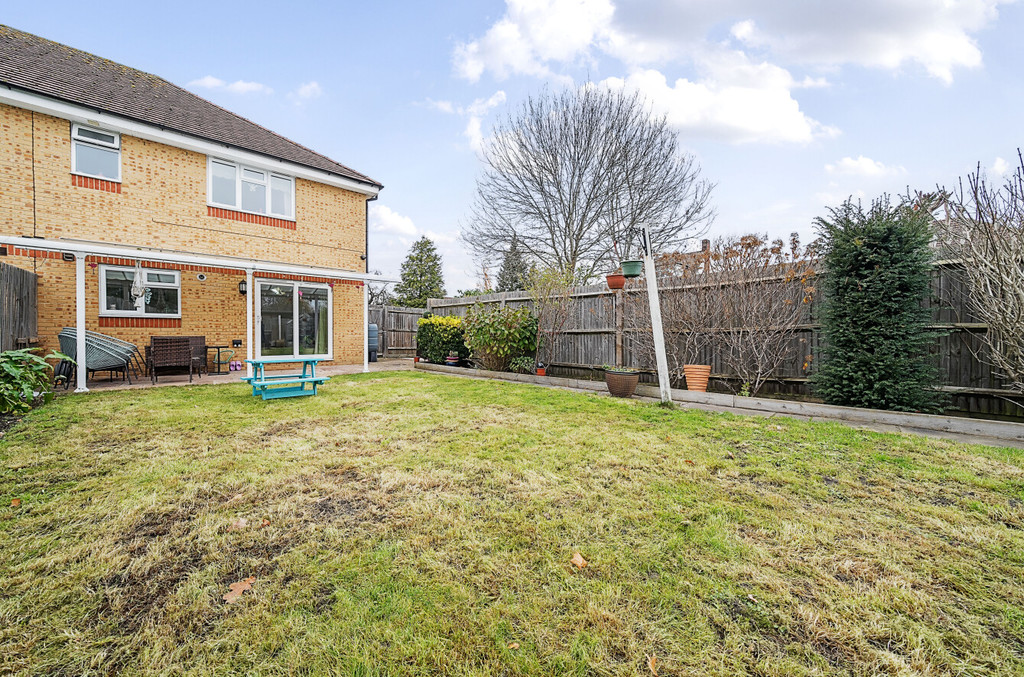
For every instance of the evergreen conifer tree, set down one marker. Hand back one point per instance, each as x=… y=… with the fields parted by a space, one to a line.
x=421 y=275
x=874 y=317
x=514 y=273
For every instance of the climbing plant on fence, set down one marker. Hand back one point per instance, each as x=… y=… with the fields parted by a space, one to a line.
x=874 y=318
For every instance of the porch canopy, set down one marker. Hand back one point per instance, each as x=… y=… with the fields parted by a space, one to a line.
x=80 y=249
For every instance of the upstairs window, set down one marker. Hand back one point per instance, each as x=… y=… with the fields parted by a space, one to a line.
x=252 y=190
x=95 y=153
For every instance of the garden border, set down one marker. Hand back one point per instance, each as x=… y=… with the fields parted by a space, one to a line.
x=993 y=431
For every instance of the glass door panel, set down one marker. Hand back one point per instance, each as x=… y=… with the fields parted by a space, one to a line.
x=313 y=320
x=277 y=325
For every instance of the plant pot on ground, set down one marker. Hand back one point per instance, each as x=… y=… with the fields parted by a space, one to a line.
x=621 y=381
x=541 y=370
x=632 y=268
x=697 y=376
x=452 y=360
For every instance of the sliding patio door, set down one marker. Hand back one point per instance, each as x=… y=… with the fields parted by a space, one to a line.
x=293 y=319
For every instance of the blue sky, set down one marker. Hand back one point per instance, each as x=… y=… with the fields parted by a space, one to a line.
x=789 y=106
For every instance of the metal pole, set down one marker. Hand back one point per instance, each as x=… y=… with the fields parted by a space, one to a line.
x=250 y=337
x=655 y=304
x=366 y=328
x=82 y=368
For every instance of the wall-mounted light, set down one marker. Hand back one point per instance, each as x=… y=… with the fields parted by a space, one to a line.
x=243 y=288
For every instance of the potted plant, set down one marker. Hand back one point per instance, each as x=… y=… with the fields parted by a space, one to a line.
x=541 y=369
x=452 y=360
x=697 y=376
x=616 y=280
x=632 y=268
x=621 y=381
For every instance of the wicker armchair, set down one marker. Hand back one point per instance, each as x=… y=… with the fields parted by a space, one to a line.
x=170 y=354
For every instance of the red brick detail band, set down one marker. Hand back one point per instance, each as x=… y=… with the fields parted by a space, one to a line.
x=159 y=265
x=164 y=322
x=249 y=218
x=98 y=184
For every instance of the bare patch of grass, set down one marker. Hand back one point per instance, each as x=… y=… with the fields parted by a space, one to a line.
x=416 y=524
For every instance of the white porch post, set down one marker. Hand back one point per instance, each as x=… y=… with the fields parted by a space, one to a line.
x=366 y=327
x=250 y=337
x=80 y=386
x=655 y=303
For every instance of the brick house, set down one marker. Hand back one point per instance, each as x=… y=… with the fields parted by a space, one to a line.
x=243 y=236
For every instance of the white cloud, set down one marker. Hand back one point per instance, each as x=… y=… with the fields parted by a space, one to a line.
x=385 y=220
x=1000 y=167
x=536 y=37
x=474 y=114
x=864 y=167
x=739 y=101
x=309 y=90
x=237 y=87
x=531 y=34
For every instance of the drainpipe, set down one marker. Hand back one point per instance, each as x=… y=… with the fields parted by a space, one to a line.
x=366 y=242
x=82 y=367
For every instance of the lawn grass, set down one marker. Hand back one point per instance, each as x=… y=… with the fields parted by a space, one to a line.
x=419 y=524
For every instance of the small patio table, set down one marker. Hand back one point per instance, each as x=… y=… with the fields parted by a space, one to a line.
x=274 y=386
x=216 y=360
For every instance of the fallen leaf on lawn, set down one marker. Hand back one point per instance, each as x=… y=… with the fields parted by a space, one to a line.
x=651 y=660
x=752 y=598
x=238 y=588
x=731 y=455
x=238 y=524
x=689 y=461
x=578 y=560
x=513 y=645
x=15 y=502
x=265 y=522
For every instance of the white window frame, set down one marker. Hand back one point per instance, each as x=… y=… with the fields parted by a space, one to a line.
x=139 y=313
x=237 y=206
x=257 y=340
x=77 y=139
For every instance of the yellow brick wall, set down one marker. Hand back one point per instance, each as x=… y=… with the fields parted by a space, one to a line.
x=163 y=203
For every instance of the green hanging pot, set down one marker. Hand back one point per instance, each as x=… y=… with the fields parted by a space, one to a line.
x=632 y=268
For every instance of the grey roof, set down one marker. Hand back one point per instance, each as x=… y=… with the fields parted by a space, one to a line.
x=42 y=66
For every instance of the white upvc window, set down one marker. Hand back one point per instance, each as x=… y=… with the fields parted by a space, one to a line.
x=95 y=153
x=294 y=319
x=162 y=296
x=250 y=189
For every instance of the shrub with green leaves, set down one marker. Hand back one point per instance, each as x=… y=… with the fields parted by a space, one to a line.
x=496 y=336
x=521 y=365
x=875 y=324
x=25 y=378
x=439 y=335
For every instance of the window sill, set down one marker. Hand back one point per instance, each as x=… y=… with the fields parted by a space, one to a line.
x=115 y=321
x=246 y=217
x=83 y=181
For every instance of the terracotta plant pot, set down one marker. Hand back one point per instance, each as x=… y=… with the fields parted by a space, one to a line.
x=632 y=268
x=621 y=383
x=541 y=371
x=697 y=376
x=616 y=281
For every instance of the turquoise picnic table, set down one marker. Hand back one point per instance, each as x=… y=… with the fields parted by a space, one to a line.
x=277 y=385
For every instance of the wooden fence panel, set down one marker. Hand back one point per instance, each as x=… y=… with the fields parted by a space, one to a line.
x=397 y=329
x=18 y=303
x=590 y=339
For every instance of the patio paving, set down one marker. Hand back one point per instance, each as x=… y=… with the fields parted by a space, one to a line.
x=102 y=384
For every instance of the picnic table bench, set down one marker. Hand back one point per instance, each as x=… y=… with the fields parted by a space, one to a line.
x=272 y=386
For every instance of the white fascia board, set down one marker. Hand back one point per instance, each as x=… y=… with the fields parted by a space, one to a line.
x=164 y=256
x=88 y=116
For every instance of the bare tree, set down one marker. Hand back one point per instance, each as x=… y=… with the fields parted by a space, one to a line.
x=571 y=174
x=555 y=309
x=687 y=312
x=742 y=300
x=377 y=292
x=763 y=293
x=983 y=229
